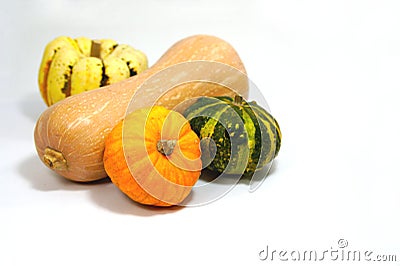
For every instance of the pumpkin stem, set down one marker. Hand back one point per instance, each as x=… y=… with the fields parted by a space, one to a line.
x=54 y=159
x=166 y=146
x=95 y=49
x=238 y=99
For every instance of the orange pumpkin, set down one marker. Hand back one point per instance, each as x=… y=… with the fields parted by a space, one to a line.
x=153 y=156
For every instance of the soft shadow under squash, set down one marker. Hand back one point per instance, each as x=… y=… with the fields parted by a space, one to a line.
x=103 y=192
x=109 y=197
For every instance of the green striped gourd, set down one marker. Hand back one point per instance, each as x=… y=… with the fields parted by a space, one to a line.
x=238 y=137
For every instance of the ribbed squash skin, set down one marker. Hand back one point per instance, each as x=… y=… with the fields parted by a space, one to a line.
x=139 y=170
x=246 y=136
x=72 y=66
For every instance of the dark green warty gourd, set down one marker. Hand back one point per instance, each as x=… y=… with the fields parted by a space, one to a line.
x=238 y=137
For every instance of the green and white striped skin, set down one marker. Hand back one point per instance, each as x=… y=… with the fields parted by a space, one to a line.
x=242 y=135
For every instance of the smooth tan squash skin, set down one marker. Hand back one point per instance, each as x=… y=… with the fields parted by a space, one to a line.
x=69 y=135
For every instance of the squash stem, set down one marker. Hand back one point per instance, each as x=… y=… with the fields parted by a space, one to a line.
x=166 y=147
x=54 y=159
x=95 y=49
x=238 y=99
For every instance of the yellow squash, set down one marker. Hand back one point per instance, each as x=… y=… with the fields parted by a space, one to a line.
x=71 y=66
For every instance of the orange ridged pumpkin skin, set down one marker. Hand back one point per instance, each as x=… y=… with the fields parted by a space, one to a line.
x=135 y=164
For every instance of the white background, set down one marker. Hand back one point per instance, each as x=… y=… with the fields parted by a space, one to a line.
x=330 y=73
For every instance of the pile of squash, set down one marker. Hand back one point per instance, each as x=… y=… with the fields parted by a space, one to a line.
x=155 y=153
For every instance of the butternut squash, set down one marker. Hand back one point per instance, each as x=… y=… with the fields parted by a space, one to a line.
x=70 y=135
